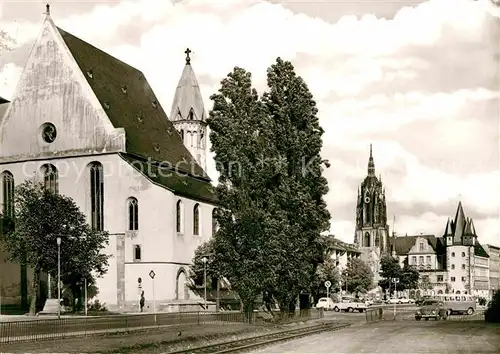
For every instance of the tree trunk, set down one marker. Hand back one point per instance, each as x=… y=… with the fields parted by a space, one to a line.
x=34 y=290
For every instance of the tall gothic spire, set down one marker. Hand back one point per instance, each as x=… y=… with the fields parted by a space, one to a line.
x=371 y=164
x=188 y=102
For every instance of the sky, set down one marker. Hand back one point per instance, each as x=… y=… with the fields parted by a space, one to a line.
x=418 y=80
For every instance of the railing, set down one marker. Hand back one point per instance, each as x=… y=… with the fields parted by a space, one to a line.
x=39 y=329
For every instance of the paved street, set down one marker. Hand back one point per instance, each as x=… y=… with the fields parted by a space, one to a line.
x=400 y=337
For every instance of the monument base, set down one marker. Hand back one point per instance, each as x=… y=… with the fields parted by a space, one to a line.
x=51 y=307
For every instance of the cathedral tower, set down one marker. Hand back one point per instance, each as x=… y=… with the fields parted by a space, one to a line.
x=188 y=114
x=371 y=212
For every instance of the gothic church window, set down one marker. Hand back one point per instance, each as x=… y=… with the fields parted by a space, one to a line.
x=377 y=241
x=367 y=240
x=97 y=196
x=196 y=219
x=50 y=178
x=178 y=216
x=137 y=253
x=133 y=214
x=191 y=114
x=8 y=194
x=182 y=134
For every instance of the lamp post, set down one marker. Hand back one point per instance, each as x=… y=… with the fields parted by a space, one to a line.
x=204 y=260
x=58 y=277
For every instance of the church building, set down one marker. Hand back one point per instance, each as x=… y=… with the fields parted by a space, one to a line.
x=89 y=126
x=372 y=231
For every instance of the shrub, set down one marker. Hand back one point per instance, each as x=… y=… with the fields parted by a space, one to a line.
x=493 y=311
x=97 y=306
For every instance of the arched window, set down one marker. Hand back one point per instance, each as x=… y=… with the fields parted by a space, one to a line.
x=367 y=240
x=8 y=194
x=196 y=219
x=200 y=142
x=178 y=216
x=97 y=196
x=50 y=178
x=377 y=240
x=182 y=134
x=215 y=225
x=191 y=114
x=133 y=214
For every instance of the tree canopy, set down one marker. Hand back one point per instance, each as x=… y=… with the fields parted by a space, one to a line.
x=390 y=268
x=267 y=153
x=40 y=218
x=358 y=276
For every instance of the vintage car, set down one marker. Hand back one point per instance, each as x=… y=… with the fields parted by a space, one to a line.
x=431 y=309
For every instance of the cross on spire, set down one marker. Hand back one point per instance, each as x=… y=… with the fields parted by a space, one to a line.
x=47 y=7
x=188 y=59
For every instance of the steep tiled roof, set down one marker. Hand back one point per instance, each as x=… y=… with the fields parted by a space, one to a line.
x=127 y=95
x=404 y=244
x=480 y=251
x=178 y=183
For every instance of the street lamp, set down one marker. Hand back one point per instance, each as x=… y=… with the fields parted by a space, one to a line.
x=58 y=277
x=204 y=260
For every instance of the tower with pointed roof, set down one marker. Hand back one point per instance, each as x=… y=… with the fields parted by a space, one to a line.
x=372 y=230
x=188 y=113
x=464 y=254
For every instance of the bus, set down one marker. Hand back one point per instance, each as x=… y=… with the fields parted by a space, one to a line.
x=455 y=303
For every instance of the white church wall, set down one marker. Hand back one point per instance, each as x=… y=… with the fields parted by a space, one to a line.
x=162 y=249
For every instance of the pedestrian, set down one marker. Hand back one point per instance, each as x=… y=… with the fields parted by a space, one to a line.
x=143 y=300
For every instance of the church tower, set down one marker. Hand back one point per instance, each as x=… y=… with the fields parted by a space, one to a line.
x=371 y=212
x=188 y=114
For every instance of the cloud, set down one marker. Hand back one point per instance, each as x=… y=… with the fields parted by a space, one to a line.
x=421 y=86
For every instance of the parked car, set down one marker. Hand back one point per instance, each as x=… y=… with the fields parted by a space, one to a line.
x=421 y=300
x=431 y=309
x=401 y=300
x=325 y=303
x=350 y=305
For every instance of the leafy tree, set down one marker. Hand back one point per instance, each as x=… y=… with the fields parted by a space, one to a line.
x=40 y=218
x=409 y=277
x=358 y=276
x=298 y=185
x=326 y=271
x=240 y=133
x=493 y=311
x=6 y=41
x=390 y=268
x=197 y=269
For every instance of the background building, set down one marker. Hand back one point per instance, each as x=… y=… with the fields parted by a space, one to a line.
x=455 y=263
x=494 y=253
x=372 y=232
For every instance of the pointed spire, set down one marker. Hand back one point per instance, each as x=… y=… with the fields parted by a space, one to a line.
x=469 y=228
x=188 y=102
x=460 y=222
x=447 y=231
x=47 y=9
x=371 y=164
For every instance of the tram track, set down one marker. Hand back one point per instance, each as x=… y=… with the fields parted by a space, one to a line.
x=254 y=342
